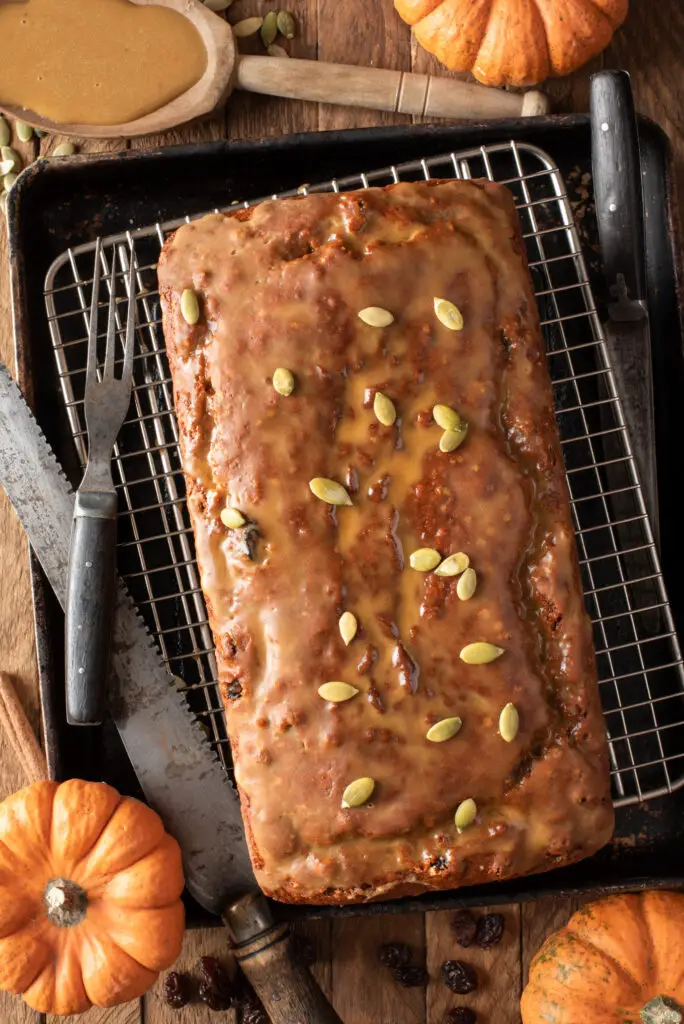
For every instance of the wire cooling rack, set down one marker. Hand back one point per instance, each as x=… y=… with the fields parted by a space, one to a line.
x=640 y=666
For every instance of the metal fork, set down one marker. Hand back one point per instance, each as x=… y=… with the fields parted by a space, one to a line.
x=92 y=556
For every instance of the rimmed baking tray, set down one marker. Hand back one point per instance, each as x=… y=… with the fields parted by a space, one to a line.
x=109 y=195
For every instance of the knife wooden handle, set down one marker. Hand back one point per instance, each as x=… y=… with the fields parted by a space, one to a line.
x=617 y=182
x=263 y=951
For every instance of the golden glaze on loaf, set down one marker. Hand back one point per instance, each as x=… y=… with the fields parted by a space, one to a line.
x=280 y=285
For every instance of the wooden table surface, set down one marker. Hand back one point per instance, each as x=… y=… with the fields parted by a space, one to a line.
x=361 y=32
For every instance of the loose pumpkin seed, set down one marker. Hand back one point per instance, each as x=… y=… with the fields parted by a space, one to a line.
x=467 y=584
x=424 y=559
x=9 y=179
x=10 y=155
x=453 y=439
x=217 y=5
x=444 y=730
x=448 y=314
x=6 y=167
x=40 y=133
x=509 y=723
x=329 y=491
x=357 y=792
x=384 y=409
x=376 y=316
x=453 y=565
x=446 y=417
x=480 y=653
x=247 y=27
x=24 y=131
x=465 y=815
x=269 y=28
x=3 y=201
x=348 y=626
x=5 y=133
x=283 y=381
x=286 y=24
x=232 y=518
x=277 y=51
x=64 y=149
x=337 y=692
x=189 y=305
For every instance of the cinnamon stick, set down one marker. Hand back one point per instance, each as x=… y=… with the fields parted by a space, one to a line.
x=18 y=730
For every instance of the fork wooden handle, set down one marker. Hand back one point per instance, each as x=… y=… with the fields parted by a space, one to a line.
x=90 y=606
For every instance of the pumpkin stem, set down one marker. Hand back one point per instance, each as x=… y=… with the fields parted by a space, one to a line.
x=65 y=902
x=662 y=1010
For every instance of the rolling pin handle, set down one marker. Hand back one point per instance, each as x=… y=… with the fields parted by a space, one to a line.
x=535 y=103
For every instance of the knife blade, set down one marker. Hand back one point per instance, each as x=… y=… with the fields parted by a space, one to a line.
x=616 y=168
x=179 y=774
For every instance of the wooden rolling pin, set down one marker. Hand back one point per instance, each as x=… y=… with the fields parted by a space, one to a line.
x=344 y=84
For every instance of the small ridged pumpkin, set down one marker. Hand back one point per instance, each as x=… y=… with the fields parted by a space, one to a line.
x=514 y=42
x=617 y=961
x=90 y=886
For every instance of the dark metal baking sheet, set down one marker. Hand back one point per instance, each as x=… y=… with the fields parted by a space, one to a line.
x=66 y=203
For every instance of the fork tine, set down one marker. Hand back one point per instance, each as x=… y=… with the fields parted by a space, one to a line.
x=129 y=346
x=91 y=370
x=111 y=323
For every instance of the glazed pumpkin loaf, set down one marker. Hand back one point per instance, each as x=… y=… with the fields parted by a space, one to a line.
x=384 y=539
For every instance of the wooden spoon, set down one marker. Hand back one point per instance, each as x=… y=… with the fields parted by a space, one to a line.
x=344 y=84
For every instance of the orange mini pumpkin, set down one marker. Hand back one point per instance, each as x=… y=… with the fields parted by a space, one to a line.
x=617 y=961
x=514 y=42
x=90 y=886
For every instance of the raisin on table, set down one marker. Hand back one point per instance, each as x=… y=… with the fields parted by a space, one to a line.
x=490 y=928
x=411 y=977
x=459 y=977
x=461 y=1015
x=395 y=954
x=464 y=927
x=252 y=1012
x=251 y=1009
x=216 y=987
x=177 y=990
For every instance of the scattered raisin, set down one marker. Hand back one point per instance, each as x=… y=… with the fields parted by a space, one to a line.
x=252 y=1012
x=459 y=977
x=411 y=977
x=465 y=928
x=216 y=988
x=177 y=990
x=490 y=928
x=461 y=1015
x=395 y=954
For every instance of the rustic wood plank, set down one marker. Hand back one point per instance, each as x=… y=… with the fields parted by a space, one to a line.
x=364 y=992
x=373 y=34
x=497 y=996
x=197 y=942
x=129 y=1013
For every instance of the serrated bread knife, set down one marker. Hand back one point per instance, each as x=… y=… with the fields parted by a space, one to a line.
x=178 y=773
